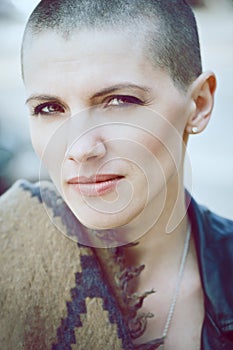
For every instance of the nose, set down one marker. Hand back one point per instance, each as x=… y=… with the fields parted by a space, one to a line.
x=86 y=148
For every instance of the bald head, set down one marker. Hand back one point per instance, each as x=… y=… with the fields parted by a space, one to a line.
x=166 y=29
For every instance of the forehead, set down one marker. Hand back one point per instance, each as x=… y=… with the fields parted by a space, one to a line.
x=100 y=45
x=87 y=52
x=88 y=60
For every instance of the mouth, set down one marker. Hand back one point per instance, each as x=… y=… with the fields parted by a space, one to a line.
x=96 y=185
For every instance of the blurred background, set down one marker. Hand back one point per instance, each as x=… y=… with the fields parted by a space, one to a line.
x=211 y=152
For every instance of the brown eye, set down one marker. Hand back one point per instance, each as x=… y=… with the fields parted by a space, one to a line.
x=116 y=101
x=122 y=100
x=49 y=109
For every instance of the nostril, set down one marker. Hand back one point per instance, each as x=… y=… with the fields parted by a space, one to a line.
x=83 y=152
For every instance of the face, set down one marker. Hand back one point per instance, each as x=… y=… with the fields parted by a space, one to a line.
x=106 y=123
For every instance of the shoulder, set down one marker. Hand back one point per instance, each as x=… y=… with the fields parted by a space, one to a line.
x=52 y=289
x=210 y=228
x=32 y=225
x=23 y=214
x=33 y=237
x=21 y=198
x=214 y=245
x=37 y=207
x=221 y=226
x=213 y=237
x=38 y=266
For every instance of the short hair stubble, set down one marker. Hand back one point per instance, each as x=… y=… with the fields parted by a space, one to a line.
x=167 y=28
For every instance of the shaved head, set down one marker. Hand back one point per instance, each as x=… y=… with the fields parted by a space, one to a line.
x=166 y=29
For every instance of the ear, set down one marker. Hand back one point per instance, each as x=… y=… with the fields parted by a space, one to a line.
x=202 y=94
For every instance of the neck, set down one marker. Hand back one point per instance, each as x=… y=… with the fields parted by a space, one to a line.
x=162 y=242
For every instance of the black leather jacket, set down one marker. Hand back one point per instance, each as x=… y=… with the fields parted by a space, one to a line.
x=214 y=246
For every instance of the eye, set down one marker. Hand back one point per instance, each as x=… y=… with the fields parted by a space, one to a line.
x=48 y=108
x=122 y=101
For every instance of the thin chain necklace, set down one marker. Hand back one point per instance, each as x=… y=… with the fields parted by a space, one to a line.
x=161 y=341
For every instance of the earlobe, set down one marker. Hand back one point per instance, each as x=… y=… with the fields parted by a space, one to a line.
x=202 y=94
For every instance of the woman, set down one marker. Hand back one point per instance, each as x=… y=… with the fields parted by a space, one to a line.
x=114 y=89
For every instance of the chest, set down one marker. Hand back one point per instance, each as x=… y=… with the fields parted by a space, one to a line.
x=184 y=331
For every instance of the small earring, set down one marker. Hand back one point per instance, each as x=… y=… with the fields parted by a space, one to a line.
x=195 y=129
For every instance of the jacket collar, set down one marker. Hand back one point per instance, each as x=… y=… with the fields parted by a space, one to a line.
x=213 y=236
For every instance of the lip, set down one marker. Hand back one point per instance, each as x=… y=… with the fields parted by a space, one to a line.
x=96 y=185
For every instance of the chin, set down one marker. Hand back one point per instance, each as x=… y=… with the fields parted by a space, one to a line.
x=97 y=220
x=100 y=222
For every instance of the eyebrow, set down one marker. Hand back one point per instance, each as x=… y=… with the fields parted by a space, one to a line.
x=38 y=97
x=117 y=87
x=103 y=92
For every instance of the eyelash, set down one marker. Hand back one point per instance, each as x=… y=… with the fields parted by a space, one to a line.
x=127 y=100
x=38 y=109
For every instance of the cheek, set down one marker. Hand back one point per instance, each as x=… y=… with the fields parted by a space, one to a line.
x=37 y=138
x=165 y=147
x=49 y=143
